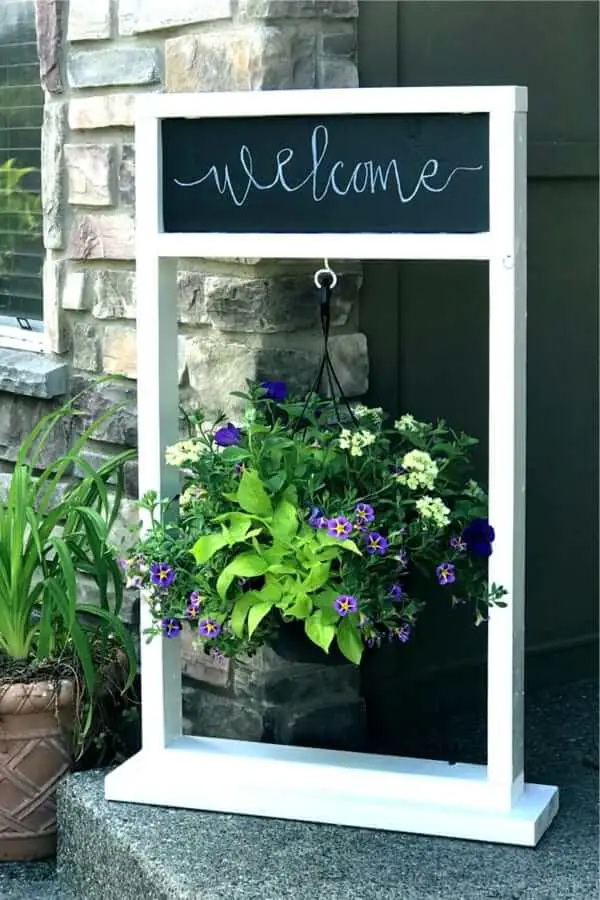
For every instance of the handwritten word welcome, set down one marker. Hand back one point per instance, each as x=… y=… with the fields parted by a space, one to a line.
x=327 y=177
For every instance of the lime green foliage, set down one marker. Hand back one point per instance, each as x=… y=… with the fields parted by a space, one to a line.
x=19 y=212
x=294 y=560
x=51 y=532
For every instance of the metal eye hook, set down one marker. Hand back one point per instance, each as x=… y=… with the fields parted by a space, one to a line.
x=326 y=270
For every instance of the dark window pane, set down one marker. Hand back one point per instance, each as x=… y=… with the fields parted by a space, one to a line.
x=21 y=106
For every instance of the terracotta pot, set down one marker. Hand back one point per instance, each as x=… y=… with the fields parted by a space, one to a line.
x=35 y=721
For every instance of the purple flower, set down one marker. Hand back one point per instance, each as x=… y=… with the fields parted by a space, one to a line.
x=274 y=390
x=396 y=593
x=339 y=528
x=170 y=627
x=345 y=604
x=457 y=543
x=122 y=564
x=162 y=575
x=376 y=543
x=478 y=536
x=364 y=514
x=227 y=436
x=194 y=603
x=208 y=628
x=445 y=573
x=404 y=633
x=316 y=519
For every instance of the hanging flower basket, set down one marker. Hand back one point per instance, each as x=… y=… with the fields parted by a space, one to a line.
x=295 y=516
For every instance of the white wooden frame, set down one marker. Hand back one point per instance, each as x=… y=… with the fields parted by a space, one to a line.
x=491 y=802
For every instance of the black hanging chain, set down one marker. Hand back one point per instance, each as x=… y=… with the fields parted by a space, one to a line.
x=325 y=281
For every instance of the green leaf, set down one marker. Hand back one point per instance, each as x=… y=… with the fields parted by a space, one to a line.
x=276 y=482
x=246 y=565
x=234 y=454
x=349 y=641
x=285 y=521
x=252 y=495
x=320 y=634
x=301 y=608
x=317 y=577
x=257 y=614
x=238 y=525
x=207 y=545
x=239 y=613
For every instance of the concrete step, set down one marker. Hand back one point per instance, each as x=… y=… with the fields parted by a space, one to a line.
x=32 y=881
x=116 y=851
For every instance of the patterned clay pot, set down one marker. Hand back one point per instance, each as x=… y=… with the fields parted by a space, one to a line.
x=35 y=723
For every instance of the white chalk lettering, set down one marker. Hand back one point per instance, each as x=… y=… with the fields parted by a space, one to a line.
x=327 y=176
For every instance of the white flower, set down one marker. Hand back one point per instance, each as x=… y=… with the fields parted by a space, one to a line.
x=407 y=423
x=433 y=509
x=420 y=470
x=372 y=414
x=191 y=494
x=183 y=452
x=356 y=441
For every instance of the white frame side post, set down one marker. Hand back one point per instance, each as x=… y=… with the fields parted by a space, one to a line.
x=156 y=281
x=507 y=431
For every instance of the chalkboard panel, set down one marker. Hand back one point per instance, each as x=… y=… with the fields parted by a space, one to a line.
x=385 y=173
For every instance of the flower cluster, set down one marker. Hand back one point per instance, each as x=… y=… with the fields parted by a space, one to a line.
x=356 y=441
x=183 y=453
x=288 y=516
x=417 y=470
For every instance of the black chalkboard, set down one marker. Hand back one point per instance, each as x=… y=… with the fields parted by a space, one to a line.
x=385 y=173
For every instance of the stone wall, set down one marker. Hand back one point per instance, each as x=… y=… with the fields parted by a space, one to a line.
x=238 y=319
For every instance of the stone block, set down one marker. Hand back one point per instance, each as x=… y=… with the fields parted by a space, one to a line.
x=333 y=72
x=89 y=21
x=91 y=173
x=49 y=31
x=216 y=368
x=213 y=715
x=113 y=293
x=102 y=237
x=119 y=351
x=240 y=59
x=200 y=666
x=76 y=290
x=120 y=397
x=108 y=111
x=127 y=175
x=191 y=298
x=127 y=65
x=18 y=415
x=148 y=15
x=54 y=130
x=52 y=281
x=298 y=9
x=274 y=303
x=339 y=43
x=32 y=374
x=85 y=346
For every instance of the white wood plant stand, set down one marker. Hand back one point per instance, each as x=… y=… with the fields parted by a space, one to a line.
x=483 y=802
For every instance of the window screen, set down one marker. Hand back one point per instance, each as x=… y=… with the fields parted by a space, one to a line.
x=21 y=107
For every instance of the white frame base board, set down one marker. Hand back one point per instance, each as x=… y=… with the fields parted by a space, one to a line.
x=351 y=789
x=485 y=803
